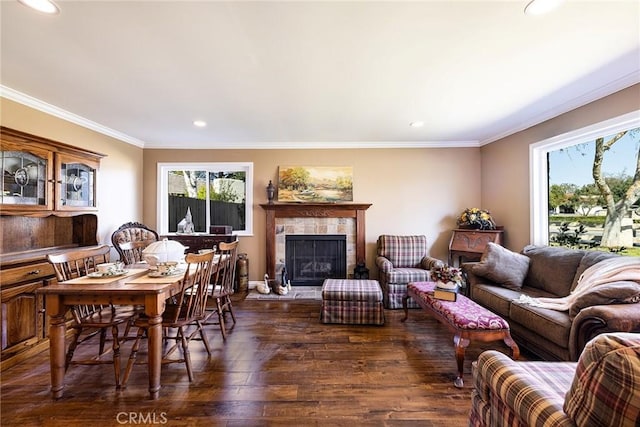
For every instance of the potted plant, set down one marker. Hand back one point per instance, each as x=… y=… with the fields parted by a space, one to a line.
x=447 y=277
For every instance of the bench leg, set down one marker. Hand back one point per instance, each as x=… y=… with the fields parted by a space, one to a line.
x=515 y=351
x=405 y=307
x=461 y=344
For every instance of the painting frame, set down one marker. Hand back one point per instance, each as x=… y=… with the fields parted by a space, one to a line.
x=315 y=184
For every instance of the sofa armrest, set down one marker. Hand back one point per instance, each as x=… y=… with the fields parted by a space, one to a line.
x=429 y=262
x=383 y=264
x=598 y=319
x=472 y=279
x=525 y=396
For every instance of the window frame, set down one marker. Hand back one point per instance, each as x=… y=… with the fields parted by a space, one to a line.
x=163 y=190
x=538 y=164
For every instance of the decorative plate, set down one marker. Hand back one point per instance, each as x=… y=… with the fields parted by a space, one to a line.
x=98 y=275
x=167 y=274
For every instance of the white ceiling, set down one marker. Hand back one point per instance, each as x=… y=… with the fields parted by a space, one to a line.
x=315 y=73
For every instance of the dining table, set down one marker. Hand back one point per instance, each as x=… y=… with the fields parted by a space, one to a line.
x=138 y=285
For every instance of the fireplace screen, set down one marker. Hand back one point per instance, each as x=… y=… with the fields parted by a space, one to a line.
x=312 y=258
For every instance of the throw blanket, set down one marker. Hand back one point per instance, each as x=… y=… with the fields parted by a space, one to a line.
x=603 y=272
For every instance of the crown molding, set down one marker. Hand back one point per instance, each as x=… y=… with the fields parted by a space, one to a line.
x=39 y=105
x=313 y=145
x=29 y=101
x=582 y=100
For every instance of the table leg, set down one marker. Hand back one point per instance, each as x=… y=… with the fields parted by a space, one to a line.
x=405 y=306
x=57 y=333
x=155 y=355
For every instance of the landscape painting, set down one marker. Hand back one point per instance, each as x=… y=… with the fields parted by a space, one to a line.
x=318 y=184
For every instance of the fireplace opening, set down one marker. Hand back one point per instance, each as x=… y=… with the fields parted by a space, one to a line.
x=312 y=258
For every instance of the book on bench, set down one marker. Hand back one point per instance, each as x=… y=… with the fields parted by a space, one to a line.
x=445 y=294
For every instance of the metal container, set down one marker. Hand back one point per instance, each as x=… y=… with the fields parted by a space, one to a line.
x=242 y=273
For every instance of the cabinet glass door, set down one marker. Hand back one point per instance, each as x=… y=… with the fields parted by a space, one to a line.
x=77 y=185
x=24 y=179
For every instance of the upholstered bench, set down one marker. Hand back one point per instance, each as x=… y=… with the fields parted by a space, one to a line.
x=352 y=302
x=466 y=319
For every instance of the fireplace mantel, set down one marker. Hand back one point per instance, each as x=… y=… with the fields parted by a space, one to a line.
x=313 y=210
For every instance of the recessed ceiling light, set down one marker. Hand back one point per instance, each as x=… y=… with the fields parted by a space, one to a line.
x=199 y=123
x=540 y=7
x=416 y=124
x=44 y=6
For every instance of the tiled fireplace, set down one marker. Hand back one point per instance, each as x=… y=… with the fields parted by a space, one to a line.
x=342 y=219
x=311 y=258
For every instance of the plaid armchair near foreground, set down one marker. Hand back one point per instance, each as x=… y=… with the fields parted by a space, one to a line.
x=400 y=260
x=601 y=389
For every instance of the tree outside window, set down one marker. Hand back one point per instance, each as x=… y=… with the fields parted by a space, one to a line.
x=594 y=192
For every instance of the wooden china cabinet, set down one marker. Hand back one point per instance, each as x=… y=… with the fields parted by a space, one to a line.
x=47 y=204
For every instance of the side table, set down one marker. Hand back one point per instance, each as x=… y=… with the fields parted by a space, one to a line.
x=198 y=241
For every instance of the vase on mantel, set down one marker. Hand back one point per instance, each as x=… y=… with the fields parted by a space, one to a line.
x=271 y=190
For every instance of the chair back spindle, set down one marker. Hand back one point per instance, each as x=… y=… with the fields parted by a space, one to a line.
x=132 y=251
x=192 y=300
x=226 y=272
x=70 y=265
x=222 y=286
x=183 y=313
x=91 y=319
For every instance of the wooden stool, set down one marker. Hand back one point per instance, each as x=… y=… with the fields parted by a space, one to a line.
x=466 y=319
x=352 y=302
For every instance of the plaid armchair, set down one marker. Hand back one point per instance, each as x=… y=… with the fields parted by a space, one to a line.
x=601 y=389
x=400 y=260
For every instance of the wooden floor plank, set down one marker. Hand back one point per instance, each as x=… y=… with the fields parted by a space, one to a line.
x=279 y=366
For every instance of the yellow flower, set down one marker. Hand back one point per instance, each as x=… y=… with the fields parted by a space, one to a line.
x=476 y=218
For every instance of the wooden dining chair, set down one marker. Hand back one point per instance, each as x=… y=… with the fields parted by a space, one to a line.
x=183 y=315
x=222 y=287
x=131 y=252
x=91 y=319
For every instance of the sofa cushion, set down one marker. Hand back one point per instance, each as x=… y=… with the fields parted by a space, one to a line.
x=495 y=298
x=502 y=266
x=552 y=268
x=406 y=275
x=498 y=299
x=606 y=386
x=554 y=325
x=590 y=258
x=623 y=292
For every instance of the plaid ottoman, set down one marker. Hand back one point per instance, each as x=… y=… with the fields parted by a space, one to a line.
x=352 y=302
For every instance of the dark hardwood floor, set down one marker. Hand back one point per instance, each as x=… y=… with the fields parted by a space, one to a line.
x=279 y=366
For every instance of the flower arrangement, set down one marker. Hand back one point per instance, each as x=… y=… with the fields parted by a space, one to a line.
x=476 y=218
x=446 y=273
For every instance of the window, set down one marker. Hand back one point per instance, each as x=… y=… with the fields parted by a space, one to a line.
x=213 y=193
x=539 y=178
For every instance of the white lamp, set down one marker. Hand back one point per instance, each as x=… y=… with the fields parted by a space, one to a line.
x=44 y=6
x=540 y=7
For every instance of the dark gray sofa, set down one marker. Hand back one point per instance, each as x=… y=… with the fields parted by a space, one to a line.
x=498 y=280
